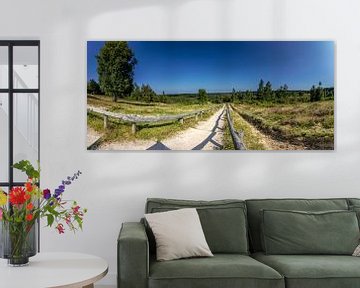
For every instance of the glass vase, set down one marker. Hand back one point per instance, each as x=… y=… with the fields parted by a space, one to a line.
x=18 y=242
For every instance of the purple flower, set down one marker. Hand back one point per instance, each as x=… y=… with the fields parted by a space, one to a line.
x=64 y=183
x=46 y=194
x=58 y=192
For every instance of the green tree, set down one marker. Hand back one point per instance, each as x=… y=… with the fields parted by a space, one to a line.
x=240 y=95
x=93 y=87
x=233 y=95
x=116 y=62
x=316 y=93
x=136 y=93
x=217 y=99
x=148 y=94
x=282 y=93
x=268 y=91
x=261 y=88
x=202 y=96
x=163 y=98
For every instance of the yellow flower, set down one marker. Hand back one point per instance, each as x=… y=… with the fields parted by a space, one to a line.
x=3 y=198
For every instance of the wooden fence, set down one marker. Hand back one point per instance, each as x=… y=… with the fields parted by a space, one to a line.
x=136 y=120
x=237 y=137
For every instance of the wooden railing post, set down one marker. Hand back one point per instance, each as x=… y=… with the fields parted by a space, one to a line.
x=133 y=128
x=106 y=118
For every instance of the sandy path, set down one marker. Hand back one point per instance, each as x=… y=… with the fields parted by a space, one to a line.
x=133 y=145
x=92 y=136
x=206 y=135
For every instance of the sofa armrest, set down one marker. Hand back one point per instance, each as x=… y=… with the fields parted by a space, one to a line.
x=133 y=256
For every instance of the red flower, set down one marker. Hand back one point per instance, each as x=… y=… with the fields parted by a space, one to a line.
x=60 y=228
x=27 y=196
x=75 y=209
x=17 y=196
x=29 y=206
x=29 y=217
x=68 y=219
x=29 y=186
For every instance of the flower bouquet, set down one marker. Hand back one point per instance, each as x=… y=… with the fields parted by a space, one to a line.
x=21 y=208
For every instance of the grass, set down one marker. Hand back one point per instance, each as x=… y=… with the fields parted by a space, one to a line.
x=120 y=131
x=308 y=124
x=141 y=108
x=251 y=140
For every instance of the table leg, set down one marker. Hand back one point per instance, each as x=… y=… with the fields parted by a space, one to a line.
x=89 y=286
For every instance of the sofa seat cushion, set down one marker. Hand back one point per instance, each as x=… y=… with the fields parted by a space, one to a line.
x=222 y=270
x=313 y=271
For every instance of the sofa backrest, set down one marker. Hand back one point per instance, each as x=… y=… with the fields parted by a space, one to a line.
x=256 y=205
x=223 y=221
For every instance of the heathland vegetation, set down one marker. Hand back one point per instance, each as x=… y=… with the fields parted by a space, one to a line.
x=302 y=118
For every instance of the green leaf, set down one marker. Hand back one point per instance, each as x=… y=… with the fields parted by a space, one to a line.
x=26 y=167
x=50 y=219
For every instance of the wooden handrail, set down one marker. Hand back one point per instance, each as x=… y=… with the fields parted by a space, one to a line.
x=138 y=119
x=237 y=137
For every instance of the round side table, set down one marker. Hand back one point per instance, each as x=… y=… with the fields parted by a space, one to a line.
x=54 y=270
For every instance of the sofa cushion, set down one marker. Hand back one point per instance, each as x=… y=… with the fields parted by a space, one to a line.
x=254 y=217
x=356 y=209
x=224 y=221
x=222 y=270
x=314 y=271
x=178 y=234
x=353 y=201
x=297 y=232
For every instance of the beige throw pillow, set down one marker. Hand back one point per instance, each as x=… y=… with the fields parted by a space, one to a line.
x=178 y=234
x=357 y=251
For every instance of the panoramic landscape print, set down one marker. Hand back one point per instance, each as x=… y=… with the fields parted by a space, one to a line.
x=210 y=95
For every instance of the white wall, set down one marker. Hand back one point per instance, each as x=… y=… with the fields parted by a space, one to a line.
x=114 y=186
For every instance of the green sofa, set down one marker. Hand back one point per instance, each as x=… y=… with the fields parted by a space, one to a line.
x=233 y=230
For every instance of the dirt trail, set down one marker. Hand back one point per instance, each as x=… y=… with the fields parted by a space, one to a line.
x=92 y=137
x=206 y=135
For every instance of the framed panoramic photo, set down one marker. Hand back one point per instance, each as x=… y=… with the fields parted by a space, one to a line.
x=210 y=95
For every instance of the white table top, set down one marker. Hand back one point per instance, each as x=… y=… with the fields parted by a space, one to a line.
x=45 y=270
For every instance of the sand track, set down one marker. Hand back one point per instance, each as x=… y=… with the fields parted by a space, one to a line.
x=205 y=135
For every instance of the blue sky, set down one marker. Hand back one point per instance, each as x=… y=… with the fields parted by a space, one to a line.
x=220 y=66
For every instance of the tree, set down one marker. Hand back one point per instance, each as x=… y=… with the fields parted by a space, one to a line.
x=148 y=94
x=136 y=93
x=93 y=87
x=202 y=96
x=116 y=63
x=316 y=93
x=268 y=90
x=260 y=91
x=240 y=95
x=233 y=95
x=282 y=92
x=162 y=97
